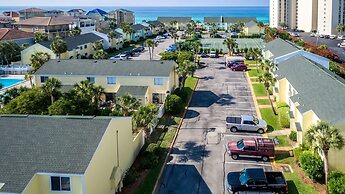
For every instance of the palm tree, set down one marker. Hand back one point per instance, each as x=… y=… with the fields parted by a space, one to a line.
x=260 y=25
x=40 y=37
x=175 y=37
x=97 y=93
x=59 y=46
x=144 y=116
x=231 y=44
x=127 y=29
x=127 y=104
x=76 y=31
x=112 y=23
x=323 y=137
x=38 y=59
x=98 y=45
x=52 y=87
x=267 y=65
x=268 y=80
x=184 y=69
x=340 y=28
x=28 y=76
x=100 y=54
x=83 y=89
x=151 y=45
x=196 y=47
x=173 y=23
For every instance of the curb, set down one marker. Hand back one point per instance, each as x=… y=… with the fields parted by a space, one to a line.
x=173 y=142
x=253 y=96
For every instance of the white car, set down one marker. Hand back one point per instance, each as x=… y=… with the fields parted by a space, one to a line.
x=332 y=36
x=213 y=54
x=119 y=58
x=321 y=36
x=341 y=37
x=313 y=35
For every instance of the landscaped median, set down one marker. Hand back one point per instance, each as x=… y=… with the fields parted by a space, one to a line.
x=142 y=178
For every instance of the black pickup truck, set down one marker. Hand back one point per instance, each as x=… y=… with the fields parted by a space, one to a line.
x=256 y=179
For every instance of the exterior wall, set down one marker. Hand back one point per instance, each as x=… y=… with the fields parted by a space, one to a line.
x=40 y=184
x=116 y=43
x=52 y=31
x=328 y=17
x=307 y=16
x=274 y=13
x=26 y=53
x=335 y=156
x=117 y=150
x=251 y=30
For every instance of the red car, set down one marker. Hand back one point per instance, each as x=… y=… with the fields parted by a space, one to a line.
x=254 y=147
x=239 y=67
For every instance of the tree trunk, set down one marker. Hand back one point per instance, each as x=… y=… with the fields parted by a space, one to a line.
x=325 y=163
x=51 y=99
x=150 y=52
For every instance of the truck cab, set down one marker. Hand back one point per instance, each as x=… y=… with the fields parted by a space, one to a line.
x=246 y=123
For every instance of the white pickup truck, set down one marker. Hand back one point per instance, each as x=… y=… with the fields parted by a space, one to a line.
x=342 y=44
x=246 y=123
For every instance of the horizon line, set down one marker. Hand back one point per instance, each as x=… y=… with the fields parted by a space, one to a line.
x=138 y=6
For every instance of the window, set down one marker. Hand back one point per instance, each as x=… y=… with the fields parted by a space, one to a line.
x=44 y=79
x=85 y=47
x=158 y=81
x=248 y=122
x=60 y=183
x=111 y=80
x=158 y=98
x=91 y=79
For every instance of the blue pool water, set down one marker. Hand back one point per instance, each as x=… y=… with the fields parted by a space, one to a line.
x=9 y=82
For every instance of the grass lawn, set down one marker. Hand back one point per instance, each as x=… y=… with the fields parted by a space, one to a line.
x=250 y=62
x=254 y=79
x=259 y=90
x=253 y=72
x=271 y=119
x=263 y=101
x=282 y=139
x=295 y=183
x=147 y=185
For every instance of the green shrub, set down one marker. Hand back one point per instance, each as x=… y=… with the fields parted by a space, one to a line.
x=149 y=160
x=293 y=136
x=173 y=104
x=182 y=94
x=312 y=165
x=153 y=148
x=130 y=177
x=297 y=153
x=336 y=183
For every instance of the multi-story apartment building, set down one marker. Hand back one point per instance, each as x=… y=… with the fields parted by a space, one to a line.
x=122 y=16
x=322 y=16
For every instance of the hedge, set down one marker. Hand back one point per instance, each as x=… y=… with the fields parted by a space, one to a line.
x=312 y=165
x=336 y=183
x=173 y=105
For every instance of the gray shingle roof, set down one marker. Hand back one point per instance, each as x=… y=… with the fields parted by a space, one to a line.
x=318 y=89
x=279 y=47
x=238 y=19
x=178 y=19
x=51 y=144
x=137 y=27
x=250 y=24
x=212 y=19
x=138 y=91
x=155 y=22
x=107 y=67
x=75 y=41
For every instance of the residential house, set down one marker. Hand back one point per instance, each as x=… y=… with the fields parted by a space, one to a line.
x=17 y=36
x=313 y=94
x=140 y=32
x=154 y=26
x=85 y=24
x=54 y=12
x=251 y=28
x=53 y=26
x=76 y=12
x=66 y=154
x=12 y=14
x=122 y=16
x=181 y=22
x=149 y=81
x=224 y=23
x=116 y=42
x=5 y=24
x=30 y=13
x=77 y=47
x=97 y=14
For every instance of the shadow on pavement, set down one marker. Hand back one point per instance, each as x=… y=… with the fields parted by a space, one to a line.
x=202 y=98
x=182 y=179
x=225 y=99
x=190 y=152
x=190 y=114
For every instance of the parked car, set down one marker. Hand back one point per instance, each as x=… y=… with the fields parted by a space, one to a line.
x=121 y=57
x=239 y=67
x=332 y=36
x=234 y=62
x=213 y=54
x=254 y=147
x=294 y=34
x=341 y=44
x=327 y=36
x=256 y=179
x=130 y=53
x=246 y=123
x=203 y=55
x=341 y=37
x=313 y=35
x=139 y=49
x=321 y=36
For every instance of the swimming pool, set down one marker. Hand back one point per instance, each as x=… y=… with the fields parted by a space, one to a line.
x=7 y=82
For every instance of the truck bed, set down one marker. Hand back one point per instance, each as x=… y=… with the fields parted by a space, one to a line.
x=275 y=178
x=234 y=120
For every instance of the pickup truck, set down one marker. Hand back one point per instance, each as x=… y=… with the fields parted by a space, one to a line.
x=254 y=147
x=256 y=179
x=246 y=123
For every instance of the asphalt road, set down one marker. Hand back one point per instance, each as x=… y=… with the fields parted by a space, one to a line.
x=158 y=49
x=331 y=43
x=199 y=162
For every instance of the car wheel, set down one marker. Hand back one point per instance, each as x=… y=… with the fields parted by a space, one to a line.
x=265 y=158
x=233 y=129
x=244 y=69
x=234 y=156
x=233 y=69
x=261 y=131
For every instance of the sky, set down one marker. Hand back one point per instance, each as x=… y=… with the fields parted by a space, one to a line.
x=135 y=3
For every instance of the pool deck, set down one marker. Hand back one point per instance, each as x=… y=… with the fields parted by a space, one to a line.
x=24 y=83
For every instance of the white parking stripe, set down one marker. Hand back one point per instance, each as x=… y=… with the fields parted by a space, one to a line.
x=248 y=163
x=240 y=135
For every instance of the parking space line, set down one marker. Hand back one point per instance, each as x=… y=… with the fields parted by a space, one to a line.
x=248 y=163
x=239 y=134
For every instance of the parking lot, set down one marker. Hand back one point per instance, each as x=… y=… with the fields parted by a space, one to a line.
x=331 y=43
x=199 y=162
x=158 y=49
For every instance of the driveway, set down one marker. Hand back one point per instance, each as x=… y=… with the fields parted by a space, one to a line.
x=158 y=49
x=199 y=162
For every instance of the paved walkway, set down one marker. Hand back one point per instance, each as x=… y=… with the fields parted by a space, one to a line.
x=280 y=132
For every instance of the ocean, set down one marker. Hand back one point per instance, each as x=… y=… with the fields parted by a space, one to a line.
x=197 y=13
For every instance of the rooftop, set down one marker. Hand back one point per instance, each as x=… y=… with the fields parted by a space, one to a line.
x=178 y=19
x=107 y=68
x=155 y=23
x=318 y=89
x=32 y=10
x=279 y=47
x=250 y=24
x=213 y=20
x=47 y=21
x=12 y=34
x=238 y=19
x=137 y=27
x=46 y=144
x=97 y=11
x=74 y=41
x=137 y=91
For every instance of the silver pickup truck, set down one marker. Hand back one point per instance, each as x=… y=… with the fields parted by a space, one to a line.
x=246 y=123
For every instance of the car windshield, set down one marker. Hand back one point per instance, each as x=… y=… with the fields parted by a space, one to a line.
x=256 y=120
x=240 y=144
